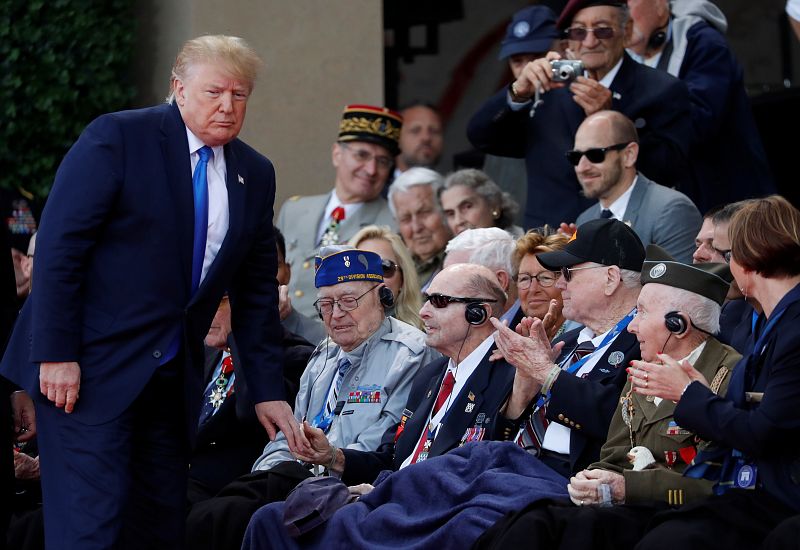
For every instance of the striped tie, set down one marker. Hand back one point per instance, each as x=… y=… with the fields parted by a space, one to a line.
x=325 y=417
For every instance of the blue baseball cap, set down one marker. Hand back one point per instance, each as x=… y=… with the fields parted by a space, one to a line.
x=344 y=264
x=532 y=30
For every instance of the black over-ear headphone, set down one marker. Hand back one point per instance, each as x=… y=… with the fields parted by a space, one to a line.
x=657 y=39
x=475 y=313
x=675 y=322
x=385 y=296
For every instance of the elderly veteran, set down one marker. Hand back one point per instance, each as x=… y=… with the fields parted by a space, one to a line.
x=563 y=397
x=363 y=157
x=756 y=426
x=641 y=464
x=353 y=389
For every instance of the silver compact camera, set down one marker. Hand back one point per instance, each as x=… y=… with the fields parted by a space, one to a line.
x=566 y=70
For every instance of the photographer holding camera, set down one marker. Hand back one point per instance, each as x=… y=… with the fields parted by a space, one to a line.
x=511 y=124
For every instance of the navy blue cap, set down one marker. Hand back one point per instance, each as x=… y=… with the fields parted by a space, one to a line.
x=343 y=264
x=532 y=30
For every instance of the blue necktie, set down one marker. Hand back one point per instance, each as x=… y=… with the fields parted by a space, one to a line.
x=200 y=183
x=325 y=417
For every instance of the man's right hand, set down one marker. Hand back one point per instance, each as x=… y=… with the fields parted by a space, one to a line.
x=60 y=383
x=537 y=74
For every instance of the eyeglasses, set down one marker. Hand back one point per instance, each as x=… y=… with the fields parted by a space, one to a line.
x=566 y=272
x=440 y=301
x=363 y=157
x=545 y=279
x=595 y=156
x=579 y=33
x=324 y=306
x=726 y=254
x=390 y=269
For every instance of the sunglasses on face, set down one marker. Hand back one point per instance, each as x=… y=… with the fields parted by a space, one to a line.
x=595 y=156
x=566 y=272
x=440 y=301
x=390 y=269
x=545 y=279
x=580 y=33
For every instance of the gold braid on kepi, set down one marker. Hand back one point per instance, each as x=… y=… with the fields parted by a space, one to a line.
x=377 y=125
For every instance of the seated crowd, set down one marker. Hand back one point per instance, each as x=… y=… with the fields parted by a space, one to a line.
x=621 y=375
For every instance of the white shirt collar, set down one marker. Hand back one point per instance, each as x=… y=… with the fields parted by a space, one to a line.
x=196 y=143
x=619 y=206
x=609 y=77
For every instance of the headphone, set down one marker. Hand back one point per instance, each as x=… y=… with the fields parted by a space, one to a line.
x=475 y=313
x=675 y=322
x=657 y=39
x=385 y=296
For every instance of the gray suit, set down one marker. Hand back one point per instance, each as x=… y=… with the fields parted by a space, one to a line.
x=299 y=220
x=384 y=366
x=659 y=215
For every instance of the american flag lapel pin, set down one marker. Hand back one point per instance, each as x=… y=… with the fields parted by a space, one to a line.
x=241 y=179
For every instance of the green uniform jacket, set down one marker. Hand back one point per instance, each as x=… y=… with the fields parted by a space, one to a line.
x=652 y=429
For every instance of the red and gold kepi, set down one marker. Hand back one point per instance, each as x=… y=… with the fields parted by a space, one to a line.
x=377 y=125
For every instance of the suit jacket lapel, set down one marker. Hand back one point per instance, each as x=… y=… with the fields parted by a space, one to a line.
x=635 y=203
x=175 y=148
x=458 y=419
x=419 y=420
x=365 y=215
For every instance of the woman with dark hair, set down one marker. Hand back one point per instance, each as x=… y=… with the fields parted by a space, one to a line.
x=755 y=428
x=471 y=200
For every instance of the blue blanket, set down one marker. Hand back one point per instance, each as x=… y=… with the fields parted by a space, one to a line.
x=443 y=502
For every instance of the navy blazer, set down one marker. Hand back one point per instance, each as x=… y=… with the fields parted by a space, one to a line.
x=585 y=405
x=479 y=400
x=113 y=267
x=657 y=103
x=768 y=432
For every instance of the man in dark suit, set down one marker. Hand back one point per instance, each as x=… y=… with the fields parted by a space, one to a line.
x=657 y=102
x=605 y=158
x=153 y=215
x=561 y=409
x=229 y=436
x=464 y=387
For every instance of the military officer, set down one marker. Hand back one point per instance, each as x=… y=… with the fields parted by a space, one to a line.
x=363 y=156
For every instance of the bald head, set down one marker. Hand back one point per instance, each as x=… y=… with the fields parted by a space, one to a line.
x=609 y=174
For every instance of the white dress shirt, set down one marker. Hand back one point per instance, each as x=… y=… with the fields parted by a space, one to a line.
x=218 y=215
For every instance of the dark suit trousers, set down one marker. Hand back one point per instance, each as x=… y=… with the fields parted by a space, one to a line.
x=121 y=484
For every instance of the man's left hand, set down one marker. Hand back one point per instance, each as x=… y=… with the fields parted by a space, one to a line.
x=590 y=95
x=277 y=416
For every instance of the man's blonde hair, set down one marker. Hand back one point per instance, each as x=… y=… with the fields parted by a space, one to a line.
x=232 y=53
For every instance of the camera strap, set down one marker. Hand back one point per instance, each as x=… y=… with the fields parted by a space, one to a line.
x=537 y=100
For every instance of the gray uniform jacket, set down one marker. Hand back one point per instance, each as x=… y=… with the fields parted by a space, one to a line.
x=299 y=221
x=659 y=215
x=386 y=362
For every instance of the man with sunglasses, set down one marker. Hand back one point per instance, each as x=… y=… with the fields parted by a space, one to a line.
x=563 y=396
x=454 y=398
x=352 y=390
x=517 y=123
x=363 y=157
x=605 y=160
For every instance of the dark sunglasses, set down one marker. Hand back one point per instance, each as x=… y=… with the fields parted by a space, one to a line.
x=566 y=272
x=580 y=33
x=595 y=156
x=442 y=300
x=390 y=268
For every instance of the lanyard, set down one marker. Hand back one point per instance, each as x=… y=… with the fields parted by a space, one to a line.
x=613 y=333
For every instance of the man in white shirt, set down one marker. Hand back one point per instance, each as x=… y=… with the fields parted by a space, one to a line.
x=605 y=154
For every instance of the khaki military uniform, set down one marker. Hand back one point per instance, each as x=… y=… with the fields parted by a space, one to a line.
x=652 y=426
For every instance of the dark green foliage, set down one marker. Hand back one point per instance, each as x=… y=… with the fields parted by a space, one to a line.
x=62 y=63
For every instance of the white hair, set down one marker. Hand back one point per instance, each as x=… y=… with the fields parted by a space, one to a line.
x=702 y=312
x=489 y=246
x=412 y=178
x=630 y=279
